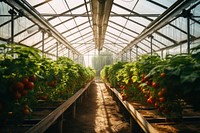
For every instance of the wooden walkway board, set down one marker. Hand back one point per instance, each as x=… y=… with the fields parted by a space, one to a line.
x=151 y=123
x=45 y=123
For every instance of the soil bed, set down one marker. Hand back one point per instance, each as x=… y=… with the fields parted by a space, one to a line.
x=97 y=113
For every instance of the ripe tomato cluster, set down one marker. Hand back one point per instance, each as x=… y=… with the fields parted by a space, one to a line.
x=156 y=94
x=23 y=86
x=151 y=90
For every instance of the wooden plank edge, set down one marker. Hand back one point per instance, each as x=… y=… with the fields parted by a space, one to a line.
x=145 y=125
x=45 y=123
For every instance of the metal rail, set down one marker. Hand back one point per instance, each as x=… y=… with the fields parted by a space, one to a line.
x=34 y=16
x=161 y=21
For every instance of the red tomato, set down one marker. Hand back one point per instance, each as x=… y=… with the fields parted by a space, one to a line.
x=25 y=80
x=156 y=105
x=149 y=92
x=149 y=82
x=163 y=75
x=24 y=92
x=154 y=84
x=161 y=99
x=29 y=85
x=52 y=83
x=146 y=96
x=164 y=90
x=26 y=111
x=26 y=106
x=160 y=93
x=19 y=86
x=32 y=78
x=149 y=101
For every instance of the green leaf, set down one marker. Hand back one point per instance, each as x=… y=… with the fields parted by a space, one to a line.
x=189 y=78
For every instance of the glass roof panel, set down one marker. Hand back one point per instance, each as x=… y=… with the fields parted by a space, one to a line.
x=173 y=33
x=141 y=20
x=58 y=9
x=46 y=8
x=135 y=27
x=128 y=19
x=55 y=21
x=167 y=3
x=79 y=10
x=80 y=20
x=5 y=31
x=118 y=20
x=73 y=4
x=61 y=28
x=35 y=2
x=33 y=39
x=117 y=9
x=130 y=32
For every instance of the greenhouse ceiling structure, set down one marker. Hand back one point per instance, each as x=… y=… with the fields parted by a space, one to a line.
x=127 y=28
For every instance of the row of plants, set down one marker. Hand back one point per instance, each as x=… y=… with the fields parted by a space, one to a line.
x=27 y=78
x=167 y=84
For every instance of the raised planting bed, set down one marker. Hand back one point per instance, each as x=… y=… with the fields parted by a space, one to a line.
x=145 y=116
x=45 y=115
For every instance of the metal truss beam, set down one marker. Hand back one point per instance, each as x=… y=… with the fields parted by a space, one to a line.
x=161 y=21
x=34 y=16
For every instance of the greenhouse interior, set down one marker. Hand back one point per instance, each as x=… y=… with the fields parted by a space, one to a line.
x=93 y=66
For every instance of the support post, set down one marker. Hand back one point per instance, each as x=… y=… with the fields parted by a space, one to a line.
x=134 y=126
x=81 y=99
x=151 y=40
x=68 y=53
x=130 y=54
x=126 y=56
x=188 y=32
x=60 y=124
x=43 y=43
x=12 y=13
x=162 y=54
x=136 y=52
x=74 y=110
x=57 y=50
x=187 y=14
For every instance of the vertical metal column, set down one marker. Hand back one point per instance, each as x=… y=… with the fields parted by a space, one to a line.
x=43 y=43
x=12 y=13
x=68 y=53
x=57 y=50
x=162 y=54
x=151 y=40
x=130 y=54
x=187 y=14
x=126 y=56
x=188 y=31
x=136 y=52
x=73 y=56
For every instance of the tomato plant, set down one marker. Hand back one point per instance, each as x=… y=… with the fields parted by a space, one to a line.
x=24 y=79
x=169 y=81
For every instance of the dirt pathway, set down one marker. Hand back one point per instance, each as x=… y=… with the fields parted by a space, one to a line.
x=97 y=114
